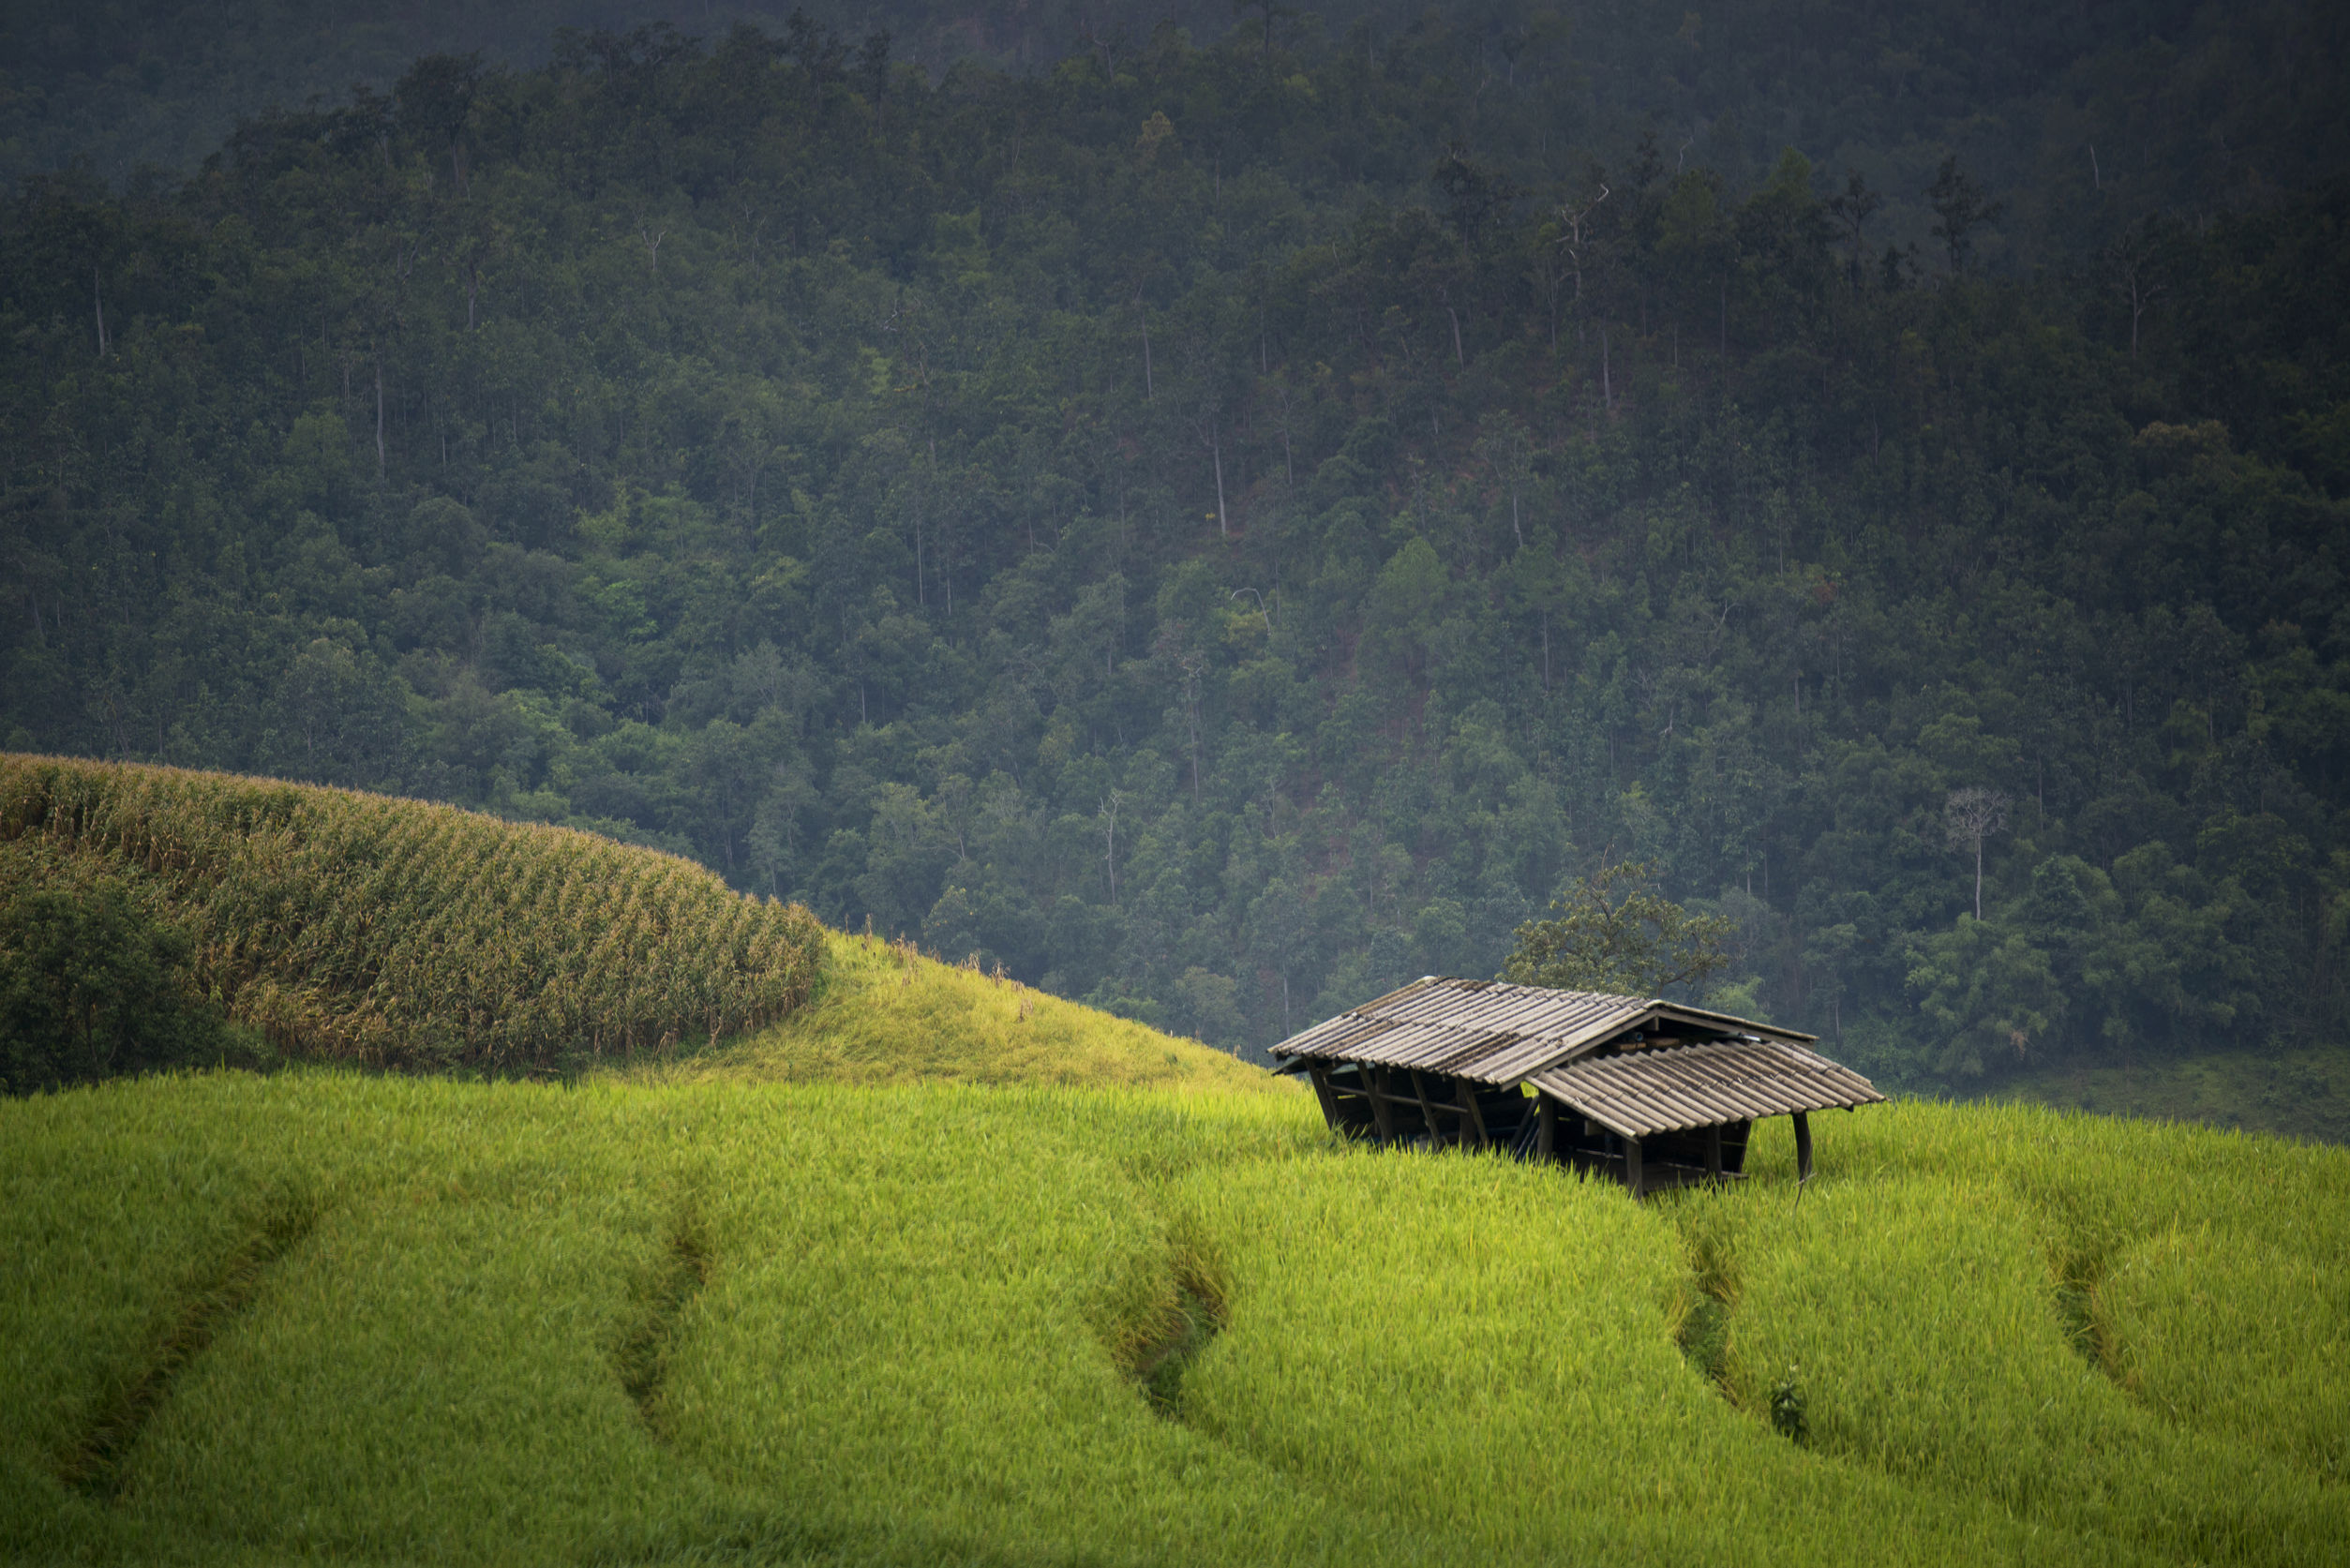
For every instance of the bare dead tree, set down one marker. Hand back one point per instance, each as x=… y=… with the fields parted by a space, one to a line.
x=1191 y=664
x=1969 y=818
x=1551 y=271
x=1107 y=46
x=1210 y=431
x=1142 y=312
x=1108 y=818
x=1852 y=210
x=2134 y=266
x=1281 y=398
x=1572 y=239
x=1507 y=451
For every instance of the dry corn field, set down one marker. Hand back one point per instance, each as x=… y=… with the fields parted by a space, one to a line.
x=393 y=933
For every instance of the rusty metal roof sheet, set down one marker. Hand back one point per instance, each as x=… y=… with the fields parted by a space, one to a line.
x=1491 y=1031
x=1672 y=1088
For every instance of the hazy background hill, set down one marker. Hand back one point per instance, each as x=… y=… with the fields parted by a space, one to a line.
x=1219 y=530
x=2066 y=108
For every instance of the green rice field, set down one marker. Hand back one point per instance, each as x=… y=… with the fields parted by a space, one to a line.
x=379 y=1319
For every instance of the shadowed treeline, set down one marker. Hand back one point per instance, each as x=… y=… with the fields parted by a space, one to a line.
x=1220 y=531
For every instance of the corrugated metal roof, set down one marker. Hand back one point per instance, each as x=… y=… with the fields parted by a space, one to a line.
x=1491 y=1031
x=1672 y=1088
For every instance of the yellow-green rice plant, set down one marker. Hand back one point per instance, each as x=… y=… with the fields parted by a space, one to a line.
x=1487 y=1350
x=885 y=1013
x=2223 y=1332
x=1917 y=1324
x=396 y=933
x=743 y=1322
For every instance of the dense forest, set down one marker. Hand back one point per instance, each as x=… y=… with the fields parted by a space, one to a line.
x=1219 y=526
x=2075 y=112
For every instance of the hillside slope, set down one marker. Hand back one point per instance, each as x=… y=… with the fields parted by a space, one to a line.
x=1178 y=525
x=391 y=1320
x=392 y=933
x=883 y=1014
x=395 y=932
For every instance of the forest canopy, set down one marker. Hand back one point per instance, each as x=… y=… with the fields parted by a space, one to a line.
x=1221 y=529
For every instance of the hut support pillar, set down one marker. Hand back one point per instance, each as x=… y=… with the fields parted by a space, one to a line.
x=1472 y=1118
x=1803 y=1147
x=1383 y=1117
x=1713 y=1153
x=1427 y=1109
x=1632 y=1166
x=1546 y=1127
x=1320 y=1077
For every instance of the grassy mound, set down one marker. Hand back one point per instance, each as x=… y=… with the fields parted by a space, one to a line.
x=394 y=932
x=883 y=1014
x=401 y=1320
x=2301 y=1091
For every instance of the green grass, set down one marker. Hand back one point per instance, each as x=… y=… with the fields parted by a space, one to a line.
x=733 y=1321
x=883 y=1014
x=2301 y=1093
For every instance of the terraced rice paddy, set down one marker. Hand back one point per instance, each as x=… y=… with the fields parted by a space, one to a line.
x=375 y=1320
x=913 y=1265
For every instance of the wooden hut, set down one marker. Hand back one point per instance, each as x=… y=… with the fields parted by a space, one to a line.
x=1646 y=1092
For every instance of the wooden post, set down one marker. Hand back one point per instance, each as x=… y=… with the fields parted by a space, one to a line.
x=1803 y=1147
x=1632 y=1166
x=1546 y=1126
x=1380 y=1115
x=1472 y=1116
x=1321 y=1076
x=1427 y=1109
x=1713 y=1153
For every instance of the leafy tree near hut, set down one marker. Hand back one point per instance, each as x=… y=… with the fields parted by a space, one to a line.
x=1614 y=932
x=1988 y=991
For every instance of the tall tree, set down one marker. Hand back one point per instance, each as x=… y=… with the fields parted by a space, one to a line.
x=1613 y=932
